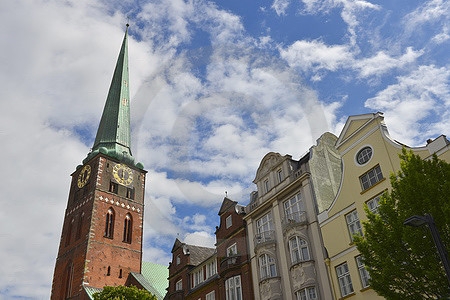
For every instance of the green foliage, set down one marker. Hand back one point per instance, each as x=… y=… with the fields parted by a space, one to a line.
x=123 y=293
x=402 y=260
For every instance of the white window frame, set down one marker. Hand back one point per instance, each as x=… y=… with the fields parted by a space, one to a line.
x=373 y=204
x=344 y=279
x=353 y=224
x=232 y=250
x=211 y=295
x=233 y=288
x=178 y=259
x=293 y=205
x=363 y=274
x=299 y=249
x=211 y=268
x=371 y=177
x=267 y=267
x=179 y=285
x=264 y=223
x=365 y=155
x=309 y=293
x=228 y=222
x=197 y=277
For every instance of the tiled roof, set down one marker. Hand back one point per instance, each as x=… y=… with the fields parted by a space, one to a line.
x=156 y=278
x=90 y=291
x=198 y=254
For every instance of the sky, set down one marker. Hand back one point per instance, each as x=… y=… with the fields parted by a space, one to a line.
x=215 y=85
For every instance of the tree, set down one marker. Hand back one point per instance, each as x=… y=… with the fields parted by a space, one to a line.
x=402 y=261
x=123 y=293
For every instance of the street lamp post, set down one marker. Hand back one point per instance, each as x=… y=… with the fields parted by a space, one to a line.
x=417 y=221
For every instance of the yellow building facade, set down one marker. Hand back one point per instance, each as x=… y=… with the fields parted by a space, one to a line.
x=369 y=156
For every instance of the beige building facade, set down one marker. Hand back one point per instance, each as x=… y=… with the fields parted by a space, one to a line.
x=369 y=156
x=287 y=256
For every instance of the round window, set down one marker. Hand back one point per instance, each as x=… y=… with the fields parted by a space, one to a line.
x=364 y=155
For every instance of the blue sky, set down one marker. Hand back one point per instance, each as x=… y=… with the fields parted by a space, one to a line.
x=214 y=87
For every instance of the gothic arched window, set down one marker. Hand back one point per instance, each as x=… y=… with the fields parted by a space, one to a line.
x=109 y=228
x=127 y=229
x=69 y=232
x=68 y=280
x=79 y=226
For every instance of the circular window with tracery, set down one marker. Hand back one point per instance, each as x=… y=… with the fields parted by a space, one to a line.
x=364 y=155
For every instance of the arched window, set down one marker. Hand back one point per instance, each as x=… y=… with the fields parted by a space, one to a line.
x=267 y=266
x=69 y=232
x=108 y=273
x=109 y=228
x=299 y=249
x=127 y=229
x=79 y=225
x=69 y=279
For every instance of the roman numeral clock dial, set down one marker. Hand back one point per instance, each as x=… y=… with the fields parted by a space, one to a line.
x=123 y=174
x=83 y=177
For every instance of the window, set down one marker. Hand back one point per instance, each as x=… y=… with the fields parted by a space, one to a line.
x=179 y=285
x=69 y=232
x=228 y=221
x=345 y=282
x=233 y=290
x=108 y=272
x=113 y=187
x=232 y=250
x=293 y=208
x=280 y=175
x=130 y=193
x=354 y=226
x=178 y=259
x=373 y=204
x=211 y=268
x=127 y=229
x=364 y=155
x=267 y=267
x=69 y=279
x=109 y=228
x=120 y=273
x=211 y=296
x=299 y=250
x=363 y=274
x=266 y=185
x=79 y=226
x=371 y=177
x=197 y=277
x=264 y=224
x=306 y=294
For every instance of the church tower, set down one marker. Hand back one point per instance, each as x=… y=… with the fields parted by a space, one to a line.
x=101 y=240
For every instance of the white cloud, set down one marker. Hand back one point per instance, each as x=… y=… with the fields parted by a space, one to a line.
x=280 y=6
x=200 y=238
x=431 y=11
x=414 y=98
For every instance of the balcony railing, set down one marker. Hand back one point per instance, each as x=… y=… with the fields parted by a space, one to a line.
x=266 y=236
x=298 y=217
x=229 y=262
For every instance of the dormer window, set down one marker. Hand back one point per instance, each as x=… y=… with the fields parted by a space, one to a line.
x=228 y=222
x=266 y=185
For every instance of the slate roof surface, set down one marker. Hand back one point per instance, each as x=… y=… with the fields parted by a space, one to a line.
x=198 y=254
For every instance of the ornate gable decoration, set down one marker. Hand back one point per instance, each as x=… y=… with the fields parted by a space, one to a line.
x=268 y=163
x=354 y=124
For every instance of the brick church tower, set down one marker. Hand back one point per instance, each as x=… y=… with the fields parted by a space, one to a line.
x=101 y=240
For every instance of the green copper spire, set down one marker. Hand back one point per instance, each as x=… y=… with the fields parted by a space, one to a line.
x=113 y=135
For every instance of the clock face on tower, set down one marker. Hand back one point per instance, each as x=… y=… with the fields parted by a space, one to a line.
x=83 y=177
x=123 y=174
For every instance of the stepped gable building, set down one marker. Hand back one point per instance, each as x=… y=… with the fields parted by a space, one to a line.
x=101 y=239
x=214 y=273
x=369 y=155
x=285 y=243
